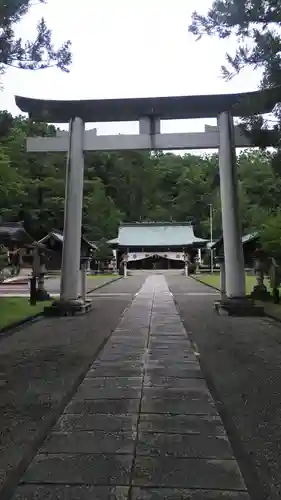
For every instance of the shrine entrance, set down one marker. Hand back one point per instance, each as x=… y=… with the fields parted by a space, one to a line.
x=156 y=261
x=149 y=112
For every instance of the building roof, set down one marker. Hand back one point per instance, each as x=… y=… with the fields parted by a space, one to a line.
x=247 y=238
x=14 y=232
x=114 y=241
x=211 y=244
x=158 y=234
x=165 y=108
x=58 y=236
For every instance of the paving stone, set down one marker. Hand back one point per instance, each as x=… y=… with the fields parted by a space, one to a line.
x=110 y=406
x=116 y=364
x=88 y=392
x=162 y=317
x=173 y=406
x=169 y=382
x=161 y=322
x=183 y=424
x=90 y=442
x=79 y=469
x=115 y=355
x=109 y=358
x=182 y=346
x=169 y=359
x=180 y=494
x=110 y=383
x=177 y=394
x=191 y=370
x=187 y=473
x=66 y=492
x=88 y=422
x=173 y=345
x=171 y=354
x=165 y=317
x=189 y=386
x=172 y=365
x=119 y=340
x=162 y=329
x=122 y=350
x=169 y=339
x=124 y=332
x=111 y=371
x=187 y=445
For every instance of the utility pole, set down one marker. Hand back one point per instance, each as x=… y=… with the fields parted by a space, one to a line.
x=211 y=237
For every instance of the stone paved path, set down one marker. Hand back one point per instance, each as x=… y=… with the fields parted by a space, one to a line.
x=142 y=424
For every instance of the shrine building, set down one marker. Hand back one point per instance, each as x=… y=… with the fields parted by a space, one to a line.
x=156 y=245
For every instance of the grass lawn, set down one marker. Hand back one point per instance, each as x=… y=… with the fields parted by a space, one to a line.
x=214 y=280
x=271 y=309
x=13 y=309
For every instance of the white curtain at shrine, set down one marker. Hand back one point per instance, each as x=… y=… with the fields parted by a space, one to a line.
x=138 y=256
x=171 y=255
x=166 y=255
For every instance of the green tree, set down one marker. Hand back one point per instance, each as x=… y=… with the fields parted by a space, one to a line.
x=271 y=236
x=3 y=260
x=11 y=187
x=39 y=53
x=128 y=187
x=103 y=252
x=195 y=187
x=256 y=25
x=101 y=217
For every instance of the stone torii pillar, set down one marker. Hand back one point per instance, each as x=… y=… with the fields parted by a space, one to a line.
x=69 y=301
x=233 y=249
x=235 y=301
x=70 y=273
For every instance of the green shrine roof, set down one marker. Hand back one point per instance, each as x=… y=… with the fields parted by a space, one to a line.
x=158 y=234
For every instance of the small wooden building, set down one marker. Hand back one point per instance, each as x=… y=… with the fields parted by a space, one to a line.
x=53 y=241
x=250 y=242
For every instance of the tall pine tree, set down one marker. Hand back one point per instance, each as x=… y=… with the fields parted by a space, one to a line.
x=39 y=53
x=256 y=25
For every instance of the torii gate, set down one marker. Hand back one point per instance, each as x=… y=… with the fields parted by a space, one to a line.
x=149 y=112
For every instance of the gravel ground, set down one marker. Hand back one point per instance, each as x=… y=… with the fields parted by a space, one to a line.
x=41 y=366
x=241 y=358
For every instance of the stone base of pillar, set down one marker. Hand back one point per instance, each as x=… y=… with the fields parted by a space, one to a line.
x=68 y=308
x=260 y=292
x=238 y=306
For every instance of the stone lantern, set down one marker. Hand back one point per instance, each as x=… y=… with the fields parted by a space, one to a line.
x=125 y=263
x=260 y=291
x=186 y=261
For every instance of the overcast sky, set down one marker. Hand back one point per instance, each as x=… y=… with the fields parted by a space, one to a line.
x=126 y=48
